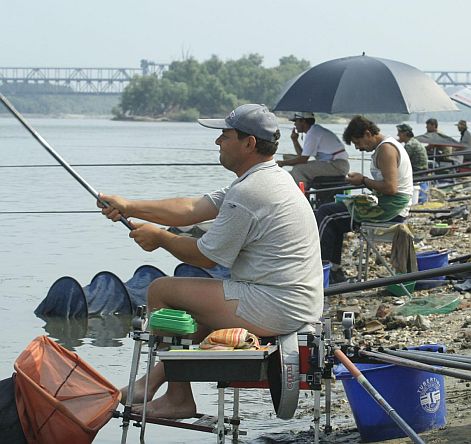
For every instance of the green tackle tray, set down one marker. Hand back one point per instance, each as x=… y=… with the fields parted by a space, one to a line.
x=173 y=321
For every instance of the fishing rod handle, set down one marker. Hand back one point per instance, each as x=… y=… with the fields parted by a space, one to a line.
x=122 y=219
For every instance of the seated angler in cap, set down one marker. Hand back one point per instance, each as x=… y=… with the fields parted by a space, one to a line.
x=264 y=230
x=415 y=149
x=330 y=157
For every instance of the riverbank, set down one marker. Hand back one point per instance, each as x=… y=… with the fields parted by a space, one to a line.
x=378 y=323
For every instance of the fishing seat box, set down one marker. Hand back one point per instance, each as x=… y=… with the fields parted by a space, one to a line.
x=217 y=365
x=326 y=182
x=240 y=368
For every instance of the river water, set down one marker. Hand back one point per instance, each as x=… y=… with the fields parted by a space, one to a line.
x=38 y=248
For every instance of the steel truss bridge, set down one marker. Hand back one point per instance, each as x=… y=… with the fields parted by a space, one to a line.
x=114 y=80
x=451 y=78
x=92 y=81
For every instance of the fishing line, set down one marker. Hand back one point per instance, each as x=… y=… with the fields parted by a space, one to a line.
x=170 y=148
x=57 y=156
x=51 y=212
x=111 y=165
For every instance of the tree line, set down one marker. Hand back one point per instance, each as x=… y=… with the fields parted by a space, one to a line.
x=190 y=89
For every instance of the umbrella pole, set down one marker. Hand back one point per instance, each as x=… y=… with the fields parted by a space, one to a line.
x=406 y=428
x=57 y=156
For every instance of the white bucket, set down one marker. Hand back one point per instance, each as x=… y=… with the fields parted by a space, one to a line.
x=415 y=195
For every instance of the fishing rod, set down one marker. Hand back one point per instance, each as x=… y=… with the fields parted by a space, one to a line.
x=111 y=165
x=401 y=278
x=57 y=156
x=458 y=199
x=383 y=357
x=454 y=154
x=431 y=358
x=415 y=179
x=465 y=257
x=449 y=357
x=433 y=170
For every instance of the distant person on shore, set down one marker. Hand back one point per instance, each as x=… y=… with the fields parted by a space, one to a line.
x=465 y=139
x=415 y=149
x=391 y=184
x=331 y=158
x=264 y=230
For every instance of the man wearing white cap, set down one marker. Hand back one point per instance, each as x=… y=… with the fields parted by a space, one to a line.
x=331 y=158
x=264 y=230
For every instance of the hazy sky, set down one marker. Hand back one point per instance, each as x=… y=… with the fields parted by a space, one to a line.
x=428 y=34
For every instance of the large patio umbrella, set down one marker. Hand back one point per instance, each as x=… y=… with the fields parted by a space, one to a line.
x=363 y=85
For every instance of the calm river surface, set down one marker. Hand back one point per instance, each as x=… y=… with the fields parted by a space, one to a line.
x=37 y=249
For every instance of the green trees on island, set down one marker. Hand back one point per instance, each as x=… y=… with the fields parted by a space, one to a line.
x=190 y=89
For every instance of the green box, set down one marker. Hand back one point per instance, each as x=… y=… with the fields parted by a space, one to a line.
x=397 y=289
x=173 y=321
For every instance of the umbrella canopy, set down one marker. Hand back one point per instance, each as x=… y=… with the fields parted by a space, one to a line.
x=439 y=139
x=363 y=85
x=462 y=96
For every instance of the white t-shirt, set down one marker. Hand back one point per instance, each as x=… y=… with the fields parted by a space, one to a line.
x=266 y=233
x=322 y=144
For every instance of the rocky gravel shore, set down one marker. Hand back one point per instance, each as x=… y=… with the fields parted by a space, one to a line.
x=382 y=319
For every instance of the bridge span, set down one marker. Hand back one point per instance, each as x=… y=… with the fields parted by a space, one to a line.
x=75 y=80
x=114 y=80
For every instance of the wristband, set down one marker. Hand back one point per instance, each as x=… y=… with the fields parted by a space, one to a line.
x=363 y=181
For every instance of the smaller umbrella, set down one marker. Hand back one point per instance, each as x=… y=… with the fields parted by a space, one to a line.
x=439 y=139
x=462 y=96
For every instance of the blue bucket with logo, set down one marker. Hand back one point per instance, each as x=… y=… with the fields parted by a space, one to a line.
x=326 y=269
x=428 y=260
x=417 y=396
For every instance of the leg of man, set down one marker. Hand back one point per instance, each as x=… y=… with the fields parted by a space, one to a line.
x=306 y=172
x=333 y=221
x=204 y=299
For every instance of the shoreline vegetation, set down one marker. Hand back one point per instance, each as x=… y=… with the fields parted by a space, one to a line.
x=188 y=90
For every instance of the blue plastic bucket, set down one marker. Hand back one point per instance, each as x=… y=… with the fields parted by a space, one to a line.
x=326 y=269
x=428 y=260
x=417 y=396
x=423 y=192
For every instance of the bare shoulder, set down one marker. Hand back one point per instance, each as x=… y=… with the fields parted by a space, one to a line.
x=387 y=150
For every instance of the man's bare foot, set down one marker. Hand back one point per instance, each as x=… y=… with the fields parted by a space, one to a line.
x=139 y=389
x=156 y=379
x=166 y=407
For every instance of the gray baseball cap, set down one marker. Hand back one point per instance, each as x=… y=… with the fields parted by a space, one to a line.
x=251 y=118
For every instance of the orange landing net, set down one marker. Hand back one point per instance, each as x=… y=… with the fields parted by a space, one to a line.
x=59 y=397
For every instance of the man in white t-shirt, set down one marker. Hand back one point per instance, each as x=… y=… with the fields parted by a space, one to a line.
x=331 y=158
x=264 y=230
